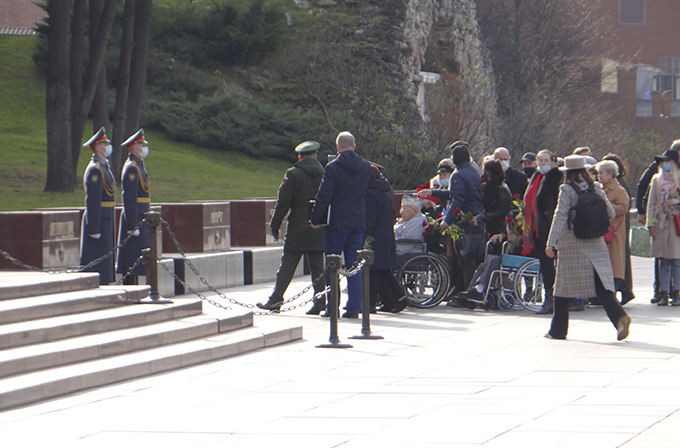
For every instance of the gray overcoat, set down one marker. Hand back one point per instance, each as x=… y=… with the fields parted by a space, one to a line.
x=578 y=259
x=667 y=242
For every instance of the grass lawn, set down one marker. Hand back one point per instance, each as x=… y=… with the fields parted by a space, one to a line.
x=178 y=172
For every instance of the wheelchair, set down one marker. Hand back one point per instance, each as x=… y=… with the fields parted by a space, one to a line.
x=425 y=276
x=517 y=284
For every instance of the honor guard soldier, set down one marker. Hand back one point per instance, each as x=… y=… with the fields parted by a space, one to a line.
x=299 y=186
x=135 y=182
x=97 y=232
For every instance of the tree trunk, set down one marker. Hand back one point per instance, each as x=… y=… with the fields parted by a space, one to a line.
x=138 y=64
x=60 y=174
x=76 y=76
x=100 y=105
x=122 y=88
x=94 y=67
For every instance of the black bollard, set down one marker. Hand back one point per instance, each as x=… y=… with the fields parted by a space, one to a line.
x=366 y=296
x=150 y=258
x=333 y=264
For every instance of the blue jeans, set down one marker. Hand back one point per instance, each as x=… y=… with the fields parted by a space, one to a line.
x=347 y=242
x=669 y=268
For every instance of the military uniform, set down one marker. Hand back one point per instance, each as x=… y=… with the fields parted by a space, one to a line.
x=298 y=187
x=135 y=182
x=97 y=229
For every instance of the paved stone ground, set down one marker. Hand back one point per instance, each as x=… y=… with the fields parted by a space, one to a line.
x=441 y=377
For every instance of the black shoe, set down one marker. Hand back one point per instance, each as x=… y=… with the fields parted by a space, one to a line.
x=327 y=313
x=373 y=310
x=627 y=297
x=464 y=301
x=348 y=315
x=385 y=309
x=400 y=305
x=316 y=309
x=270 y=305
x=545 y=310
x=663 y=299
x=657 y=298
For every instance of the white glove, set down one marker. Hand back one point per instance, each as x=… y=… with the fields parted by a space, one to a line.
x=95 y=236
x=133 y=232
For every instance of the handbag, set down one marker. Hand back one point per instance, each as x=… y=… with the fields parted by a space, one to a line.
x=676 y=220
x=472 y=245
x=609 y=236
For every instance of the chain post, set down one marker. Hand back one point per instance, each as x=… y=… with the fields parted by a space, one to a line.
x=333 y=264
x=150 y=259
x=368 y=256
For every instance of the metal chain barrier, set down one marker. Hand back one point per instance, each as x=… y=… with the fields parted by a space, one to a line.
x=224 y=296
x=137 y=261
x=79 y=268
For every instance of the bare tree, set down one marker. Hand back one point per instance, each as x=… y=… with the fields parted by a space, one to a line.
x=545 y=57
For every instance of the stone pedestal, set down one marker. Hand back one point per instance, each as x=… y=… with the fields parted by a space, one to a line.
x=250 y=223
x=42 y=239
x=198 y=226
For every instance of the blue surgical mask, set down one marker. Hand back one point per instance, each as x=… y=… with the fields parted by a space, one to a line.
x=444 y=182
x=666 y=166
x=544 y=168
x=108 y=150
x=145 y=152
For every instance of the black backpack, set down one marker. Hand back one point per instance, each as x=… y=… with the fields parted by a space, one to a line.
x=591 y=219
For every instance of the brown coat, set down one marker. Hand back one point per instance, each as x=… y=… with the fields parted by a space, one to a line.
x=619 y=200
x=578 y=259
x=667 y=242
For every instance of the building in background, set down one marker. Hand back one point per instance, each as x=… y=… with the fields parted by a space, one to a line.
x=20 y=17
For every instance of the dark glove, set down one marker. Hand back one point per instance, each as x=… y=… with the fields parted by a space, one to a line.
x=275 y=234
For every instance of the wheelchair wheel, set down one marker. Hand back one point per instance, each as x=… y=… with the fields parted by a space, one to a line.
x=425 y=279
x=506 y=302
x=528 y=285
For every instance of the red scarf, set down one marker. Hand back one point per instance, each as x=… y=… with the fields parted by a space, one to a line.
x=530 y=210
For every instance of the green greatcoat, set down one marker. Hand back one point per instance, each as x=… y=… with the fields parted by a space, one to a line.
x=298 y=187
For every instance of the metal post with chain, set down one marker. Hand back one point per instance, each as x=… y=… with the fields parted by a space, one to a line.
x=333 y=264
x=150 y=256
x=368 y=257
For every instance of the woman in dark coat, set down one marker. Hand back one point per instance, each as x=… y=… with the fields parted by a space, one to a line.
x=380 y=214
x=496 y=199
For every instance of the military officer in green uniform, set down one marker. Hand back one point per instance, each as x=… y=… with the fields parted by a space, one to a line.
x=298 y=187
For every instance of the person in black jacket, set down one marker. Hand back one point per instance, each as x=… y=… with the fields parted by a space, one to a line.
x=380 y=215
x=546 y=203
x=496 y=199
x=514 y=179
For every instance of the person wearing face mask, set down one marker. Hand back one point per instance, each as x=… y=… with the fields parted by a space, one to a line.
x=97 y=232
x=663 y=204
x=516 y=180
x=547 y=195
x=135 y=182
x=529 y=164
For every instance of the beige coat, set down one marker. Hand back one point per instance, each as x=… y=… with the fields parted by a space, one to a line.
x=667 y=242
x=618 y=198
x=578 y=259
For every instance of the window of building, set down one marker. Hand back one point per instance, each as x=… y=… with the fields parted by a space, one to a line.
x=632 y=12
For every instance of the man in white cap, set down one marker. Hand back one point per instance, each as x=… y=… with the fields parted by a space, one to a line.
x=136 y=203
x=97 y=231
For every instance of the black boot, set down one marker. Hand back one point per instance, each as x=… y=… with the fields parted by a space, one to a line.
x=663 y=301
x=547 y=307
x=657 y=297
x=675 y=295
x=318 y=307
x=271 y=305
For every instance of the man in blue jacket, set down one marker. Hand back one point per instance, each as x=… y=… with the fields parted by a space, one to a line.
x=342 y=189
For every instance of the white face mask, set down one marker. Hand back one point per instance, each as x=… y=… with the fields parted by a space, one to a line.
x=505 y=164
x=544 y=168
x=444 y=182
x=145 y=152
x=108 y=150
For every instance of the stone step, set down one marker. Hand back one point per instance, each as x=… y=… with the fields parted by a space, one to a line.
x=52 y=305
x=93 y=322
x=31 y=358
x=18 y=284
x=46 y=384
